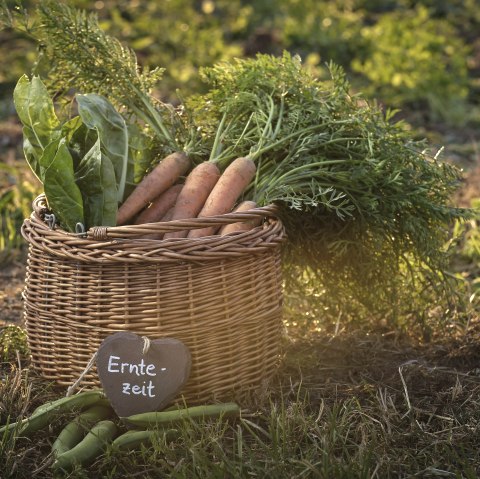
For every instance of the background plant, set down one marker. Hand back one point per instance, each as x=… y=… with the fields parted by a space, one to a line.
x=19 y=189
x=345 y=31
x=404 y=54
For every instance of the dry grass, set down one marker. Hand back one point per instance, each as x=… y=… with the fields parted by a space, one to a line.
x=419 y=402
x=352 y=405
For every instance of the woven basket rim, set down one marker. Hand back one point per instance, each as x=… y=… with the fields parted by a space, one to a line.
x=40 y=209
x=124 y=243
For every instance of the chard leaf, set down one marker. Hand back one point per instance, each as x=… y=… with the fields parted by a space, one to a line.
x=81 y=142
x=70 y=127
x=40 y=123
x=98 y=113
x=63 y=195
x=95 y=177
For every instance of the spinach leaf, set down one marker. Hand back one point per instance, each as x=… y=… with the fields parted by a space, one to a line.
x=70 y=127
x=81 y=142
x=40 y=123
x=98 y=113
x=95 y=176
x=63 y=195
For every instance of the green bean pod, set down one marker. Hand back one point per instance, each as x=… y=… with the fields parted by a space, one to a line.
x=134 y=439
x=102 y=401
x=159 y=419
x=44 y=414
x=76 y=430
x=89 y=448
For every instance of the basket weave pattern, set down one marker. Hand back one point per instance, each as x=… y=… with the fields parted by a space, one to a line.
x=220 y=295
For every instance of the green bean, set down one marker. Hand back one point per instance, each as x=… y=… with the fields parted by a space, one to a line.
x=92 y=445
x=102 y=401
x=44 y=414
x=134 y=439
x=152 y=419
x=76 y=430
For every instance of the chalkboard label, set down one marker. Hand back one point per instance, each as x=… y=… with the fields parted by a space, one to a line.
x=141 y=375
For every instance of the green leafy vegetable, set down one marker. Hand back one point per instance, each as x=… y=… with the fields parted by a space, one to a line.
x=95 y=177
x=70 y=127
x=63 y=195
x=81 y=141
x=36 y=112
x=97 y=113
x=75 y=160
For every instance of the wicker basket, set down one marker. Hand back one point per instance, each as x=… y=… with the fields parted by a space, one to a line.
x=220 y=295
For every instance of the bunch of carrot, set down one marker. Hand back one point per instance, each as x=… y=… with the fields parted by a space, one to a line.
x=206 y=191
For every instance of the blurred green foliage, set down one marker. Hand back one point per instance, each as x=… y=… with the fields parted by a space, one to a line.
x=15 y=205
x=13 y=340
x=469 y=247
x=179 y=35
x=405 y=53
x=418 y=61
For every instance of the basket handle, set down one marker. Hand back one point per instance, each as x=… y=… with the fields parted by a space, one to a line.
x=134 y=231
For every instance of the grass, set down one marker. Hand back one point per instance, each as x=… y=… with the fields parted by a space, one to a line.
x=352 y=405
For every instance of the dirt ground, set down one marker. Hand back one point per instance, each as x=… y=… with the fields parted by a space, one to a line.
x=11 y=286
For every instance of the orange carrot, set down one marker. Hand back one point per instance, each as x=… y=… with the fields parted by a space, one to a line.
x=160 y=205
x=164 y=175
x=241 y=226
x=198 y=185
x=166 y=217
x=226 y=192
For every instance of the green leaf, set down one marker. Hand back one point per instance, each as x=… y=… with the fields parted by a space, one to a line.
x=63 y=195
x=95 y=177
x=36 y=112
x=139 y=154
x=81 y=142
x=98 y=113
x=70 y=127
x=32 y=152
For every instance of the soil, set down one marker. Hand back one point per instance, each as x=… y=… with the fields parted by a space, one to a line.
x=11 y=285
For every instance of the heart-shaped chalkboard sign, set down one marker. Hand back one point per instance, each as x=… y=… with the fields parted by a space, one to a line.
x=141 y=375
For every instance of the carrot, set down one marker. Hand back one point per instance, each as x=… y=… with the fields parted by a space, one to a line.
x=198 y=185
x=241 y=226
x=225 y=193
x=164 y=175
x=160 y=205
x=166 y=217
